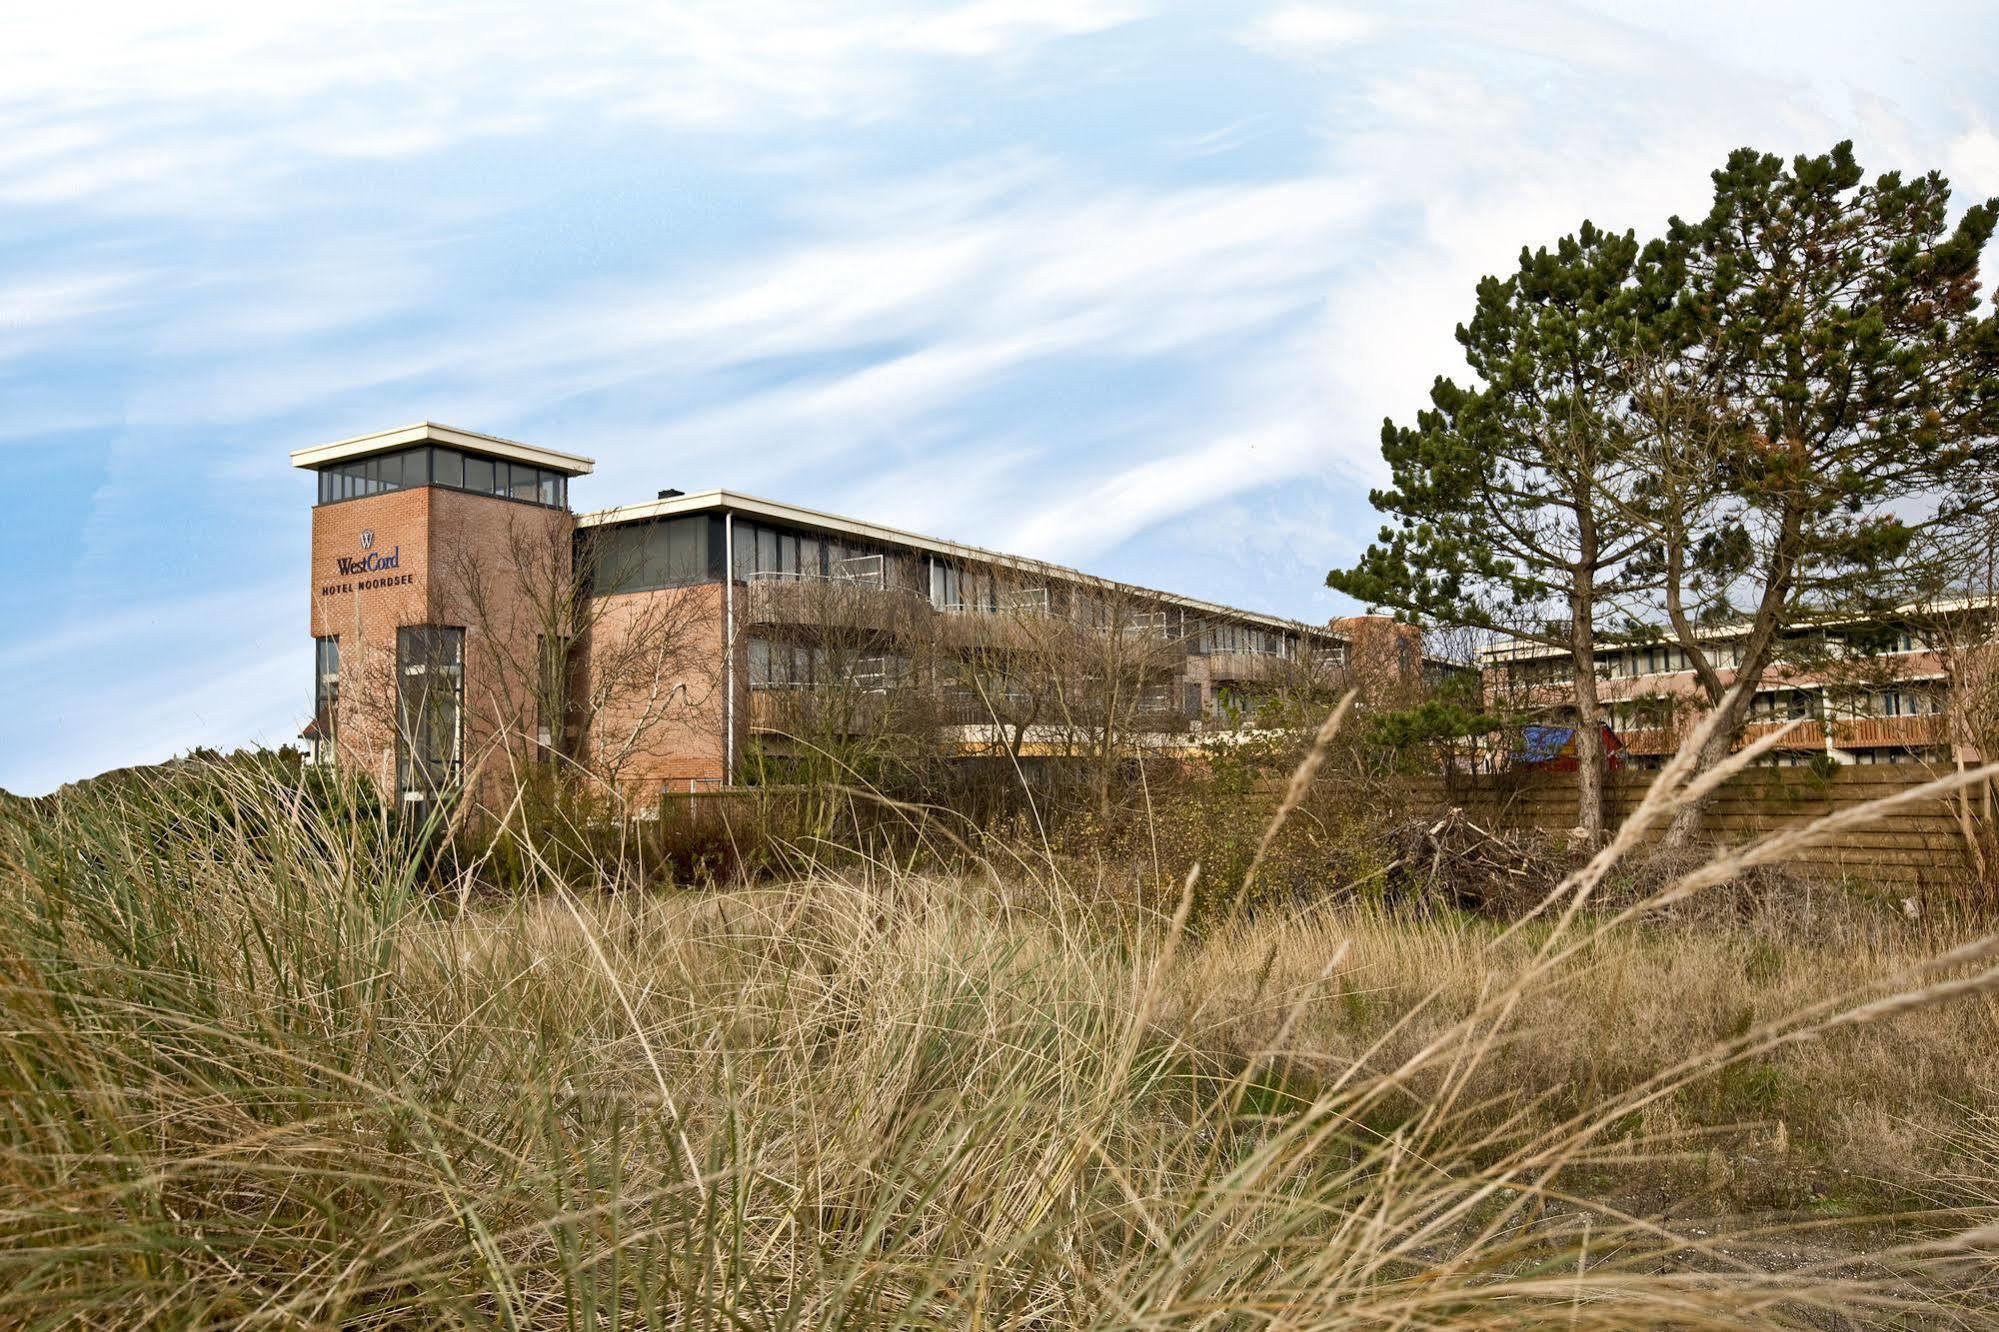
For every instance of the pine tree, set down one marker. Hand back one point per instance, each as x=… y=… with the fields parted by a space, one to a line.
x=1512 y=501
x=1824 y=392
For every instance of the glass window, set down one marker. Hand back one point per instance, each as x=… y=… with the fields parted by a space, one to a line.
x=686 y=541
x=611 y=559
x=526 y=482
x=448 y=468
x=479 y=475
x=325 y=690
x=430 y=696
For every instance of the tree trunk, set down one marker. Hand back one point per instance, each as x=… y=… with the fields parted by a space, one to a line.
x=1687 y=823
x=1589 y=737
x=1589 y=780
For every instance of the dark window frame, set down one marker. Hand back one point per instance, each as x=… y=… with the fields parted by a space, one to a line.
x=438 y=465
x=430 y=687
x=326 y=686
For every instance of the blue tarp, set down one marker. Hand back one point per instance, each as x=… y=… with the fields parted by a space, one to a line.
x=1543 y=744
x=1554 y=747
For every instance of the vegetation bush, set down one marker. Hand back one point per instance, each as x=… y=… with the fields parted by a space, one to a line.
x=257 y=1070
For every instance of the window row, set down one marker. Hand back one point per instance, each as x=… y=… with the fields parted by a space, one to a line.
x=1916 y=702
x=665 y=552
x=1247 y=638
x=764 y=551
x=779 y=665
x=435 y=465
x=1784 y=705
x=1897 y=754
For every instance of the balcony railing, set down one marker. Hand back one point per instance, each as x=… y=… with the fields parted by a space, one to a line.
x=1920 y=732
x=839 y=600
x=1643 y=740
x=1243 y=666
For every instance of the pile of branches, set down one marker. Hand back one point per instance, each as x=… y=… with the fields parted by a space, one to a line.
x=1453 y=860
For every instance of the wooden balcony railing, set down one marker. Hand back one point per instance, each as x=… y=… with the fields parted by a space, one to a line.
x=1665 y=740
x=1923 y=732
x=1920 y=732
x=1243 y=666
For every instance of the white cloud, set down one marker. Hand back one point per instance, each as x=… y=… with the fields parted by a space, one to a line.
x=1297 y=30
x=1973 y=163
x=136 y=107
x=39 y=302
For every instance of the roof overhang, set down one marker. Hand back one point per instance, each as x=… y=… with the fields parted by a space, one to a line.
x=429 y=432
x=728 y=501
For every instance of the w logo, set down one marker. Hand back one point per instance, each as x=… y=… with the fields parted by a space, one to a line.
x=368 y=539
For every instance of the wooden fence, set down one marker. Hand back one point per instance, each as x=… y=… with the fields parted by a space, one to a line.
x=1911 y=845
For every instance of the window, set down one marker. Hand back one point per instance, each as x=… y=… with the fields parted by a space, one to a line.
x=955 y=588
x=427 y=465
x=763 y=551
x=1027 y=600
x=526 y=483
x=660 y=552
x=863 y=569
x=430 y=707
x=325 y=692
x=554 y=705
x=1783 y=705
x=776 y=665
x=1246 y=638
x=479 y=474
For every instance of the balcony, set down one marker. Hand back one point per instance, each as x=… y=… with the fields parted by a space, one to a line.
x=1243 y=667
x=1920 y=732
x=1641 y=741
x=828 y=602
x=841 y=712
x=1810 y=734
x=1023 y=628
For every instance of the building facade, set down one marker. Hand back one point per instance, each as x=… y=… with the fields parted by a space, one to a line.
x=1880 y=691
x=468 y=624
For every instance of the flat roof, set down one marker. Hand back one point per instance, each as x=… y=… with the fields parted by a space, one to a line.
x=1526 y=649
x=705 y=501
x=430 y=432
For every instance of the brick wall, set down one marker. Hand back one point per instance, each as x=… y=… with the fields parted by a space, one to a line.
x=654 y=666
x=490 y=566
x=364 y=610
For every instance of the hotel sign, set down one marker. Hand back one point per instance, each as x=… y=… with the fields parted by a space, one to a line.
x=370 y=569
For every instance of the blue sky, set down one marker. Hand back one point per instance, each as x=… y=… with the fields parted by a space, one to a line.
x=1125 y=286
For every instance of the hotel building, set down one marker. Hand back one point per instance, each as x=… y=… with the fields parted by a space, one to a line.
x=451 y=581
x=1874 y=692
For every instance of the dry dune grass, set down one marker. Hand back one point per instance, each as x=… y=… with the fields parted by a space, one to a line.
x=1865 y=1117
x=255 y=1075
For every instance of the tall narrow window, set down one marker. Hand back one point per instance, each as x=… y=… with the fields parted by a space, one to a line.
x=430 y=707
x=553 y=705
x=325 y=696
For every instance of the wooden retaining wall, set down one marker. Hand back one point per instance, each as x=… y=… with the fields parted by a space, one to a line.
x=1913 y=845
